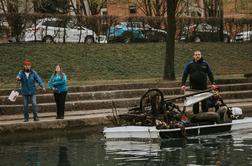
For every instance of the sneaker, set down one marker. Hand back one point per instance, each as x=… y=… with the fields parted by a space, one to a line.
x=26 y=120
x=36 y=119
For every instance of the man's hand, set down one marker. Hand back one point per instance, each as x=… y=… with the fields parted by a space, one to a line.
x=214 y=87
x=44 y=90
x=183 y=88
x=18 y=78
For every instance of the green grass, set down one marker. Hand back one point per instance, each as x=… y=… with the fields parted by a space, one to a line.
x=99 y=62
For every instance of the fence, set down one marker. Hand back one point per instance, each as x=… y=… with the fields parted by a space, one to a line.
x=38 y=27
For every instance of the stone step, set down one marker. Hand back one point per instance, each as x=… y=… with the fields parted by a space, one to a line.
x=45 y=115
x=50 y=123
x=235 y=87
x=74 y=105
x=236 y=94
x=91 y=88
x=92 y=105
x=99 y=95
x=126 y=86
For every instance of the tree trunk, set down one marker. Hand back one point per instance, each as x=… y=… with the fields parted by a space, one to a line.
x=149 y=7
x=157 y=8
x=169 y=71
x=221 y=17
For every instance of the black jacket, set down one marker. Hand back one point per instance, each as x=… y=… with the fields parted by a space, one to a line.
x=198 y=72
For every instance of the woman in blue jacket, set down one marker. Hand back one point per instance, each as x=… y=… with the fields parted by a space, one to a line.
x=58 y=83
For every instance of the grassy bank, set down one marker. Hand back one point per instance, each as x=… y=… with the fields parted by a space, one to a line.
x=119 y=61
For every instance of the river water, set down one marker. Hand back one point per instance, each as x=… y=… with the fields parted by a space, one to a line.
x=89 y=148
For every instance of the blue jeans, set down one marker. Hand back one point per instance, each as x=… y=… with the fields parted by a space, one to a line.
x=26 y=106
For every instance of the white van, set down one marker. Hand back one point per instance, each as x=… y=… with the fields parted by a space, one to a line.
x=52 y=30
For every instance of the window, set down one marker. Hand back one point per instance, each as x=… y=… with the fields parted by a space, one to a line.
x=132 y=8
x=104 y=11
x=54 y=24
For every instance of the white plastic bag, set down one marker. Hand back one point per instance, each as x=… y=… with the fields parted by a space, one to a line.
x=237 y=113
x=13 y=95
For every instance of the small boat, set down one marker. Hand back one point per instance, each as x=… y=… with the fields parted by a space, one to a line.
x=189 y=130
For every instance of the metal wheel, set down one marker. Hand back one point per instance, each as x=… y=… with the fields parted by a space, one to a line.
x=48 y=39
x=127 y=38
x=152 y=102
x=89 y=40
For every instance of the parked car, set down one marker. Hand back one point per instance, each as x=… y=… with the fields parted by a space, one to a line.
x=202 y=32
x=243 y=36
x=135 y=31
x=52 y=30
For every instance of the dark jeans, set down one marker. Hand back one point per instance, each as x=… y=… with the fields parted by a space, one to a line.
x=204 y=107
x=60 y=99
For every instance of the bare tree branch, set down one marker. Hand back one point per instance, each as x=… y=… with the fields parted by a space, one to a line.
x=3 y=6
x=150 y=8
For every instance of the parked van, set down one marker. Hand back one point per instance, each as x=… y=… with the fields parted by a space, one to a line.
x=53 y=30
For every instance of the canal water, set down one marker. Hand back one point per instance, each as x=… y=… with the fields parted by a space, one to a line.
x=89 y=148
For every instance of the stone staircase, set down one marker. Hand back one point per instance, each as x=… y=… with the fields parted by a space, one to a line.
x=236 y=92
x=96 y=100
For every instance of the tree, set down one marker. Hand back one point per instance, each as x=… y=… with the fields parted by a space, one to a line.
x=215 y=9
x=13 y=14
x=96 y=6
x=169 y=71
x=51 y=6
x=159 y=7
x=152 y=7
x=243 y=6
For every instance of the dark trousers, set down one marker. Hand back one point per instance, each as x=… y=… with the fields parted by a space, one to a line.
x=204 y=107
x=60 y=99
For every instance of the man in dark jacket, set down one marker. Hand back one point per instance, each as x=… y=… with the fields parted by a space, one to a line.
x=198 y=70
x=28 y=77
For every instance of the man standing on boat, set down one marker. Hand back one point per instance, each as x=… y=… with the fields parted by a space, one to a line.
x=198 y=71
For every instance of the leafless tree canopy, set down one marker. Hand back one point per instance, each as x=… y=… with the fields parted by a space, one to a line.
x=152 y=7
x=243 y=6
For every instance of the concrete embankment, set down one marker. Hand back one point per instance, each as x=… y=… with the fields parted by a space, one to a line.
x=90 y=105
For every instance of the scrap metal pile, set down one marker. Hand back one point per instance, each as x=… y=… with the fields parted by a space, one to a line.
x=154 y=110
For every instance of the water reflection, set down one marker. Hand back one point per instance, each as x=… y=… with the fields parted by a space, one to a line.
x=63 y=157
x=31 y=157
x=225 y=149
x=132 y=150
x=82 y=148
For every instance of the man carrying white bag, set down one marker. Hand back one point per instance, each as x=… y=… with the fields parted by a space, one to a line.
x=28 y=77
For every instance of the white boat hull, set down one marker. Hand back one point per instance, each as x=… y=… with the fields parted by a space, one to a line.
x=146 y=132
x=131 y=132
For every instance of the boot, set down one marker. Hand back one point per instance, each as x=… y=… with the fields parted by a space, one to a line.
x=36 y=118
